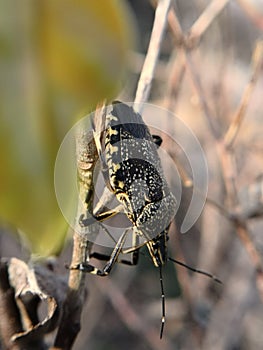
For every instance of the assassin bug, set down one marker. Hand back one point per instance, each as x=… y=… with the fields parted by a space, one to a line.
x=133 y=173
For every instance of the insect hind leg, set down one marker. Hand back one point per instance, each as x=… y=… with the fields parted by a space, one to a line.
x=86 y=267
x=133 y=251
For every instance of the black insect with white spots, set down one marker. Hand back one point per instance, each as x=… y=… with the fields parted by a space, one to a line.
x=134 y=175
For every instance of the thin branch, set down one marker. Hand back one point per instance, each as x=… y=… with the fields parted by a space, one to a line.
x=225 y=155
x=192 y=38
x=136 y=61
x=204 y=21
x=177 y=32
x=86 y=156
x=201 y=95
x=220 y=208
x=256 y=67
x=244 y=236
x=175 y=28
x=250 y=10
x=132 y=319
x=176 y=76
x=148 y=70
x=229 y=175
x=70 y=321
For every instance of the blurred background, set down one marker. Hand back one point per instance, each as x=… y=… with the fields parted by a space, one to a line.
x=58 y=60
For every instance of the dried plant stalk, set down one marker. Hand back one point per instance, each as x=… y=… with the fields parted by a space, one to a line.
x=148 y=70
x=204 y=21
x=256 y=67
x=87 y=156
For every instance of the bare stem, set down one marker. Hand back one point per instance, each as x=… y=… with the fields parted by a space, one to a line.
x=132 y=319
x=201 y=95
x=70 y=321
x=205 y=19
x=187 y=57
x=256 y=66
x=86 y=156
x=224 y=150
x=147 y=74
x=250 y=10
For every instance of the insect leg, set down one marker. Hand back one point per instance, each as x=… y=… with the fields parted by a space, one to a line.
x=105 y=257
x=105 y=200
x=134 y=251
x=101 y=216
x=85 y=267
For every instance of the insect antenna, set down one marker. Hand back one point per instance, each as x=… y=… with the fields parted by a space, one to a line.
x=196 y=270
x=163 y=302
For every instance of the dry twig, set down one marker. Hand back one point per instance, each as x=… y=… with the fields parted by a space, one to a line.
x=256 y=67
x=148 y=70
x=203 y=22
x=70 y=322
x=132 y=319
x=250 y=10
x=177 y=32
x=226 y=157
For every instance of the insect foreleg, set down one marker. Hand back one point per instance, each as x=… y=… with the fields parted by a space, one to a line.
x=105 y=201
x=85 y=220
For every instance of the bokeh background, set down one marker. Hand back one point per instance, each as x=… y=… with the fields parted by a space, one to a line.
x=58 y=60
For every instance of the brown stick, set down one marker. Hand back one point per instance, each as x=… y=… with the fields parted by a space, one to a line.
x=87 y=156
x=225 y=155
x=179 y=36
x=256 y=67
x=204 y=21
x=70 y=321
x=132 y=319
x=250 y=10
x=148 y=70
